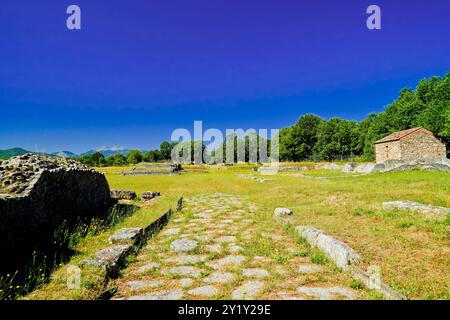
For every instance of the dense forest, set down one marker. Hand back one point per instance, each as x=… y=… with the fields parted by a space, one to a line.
x=315 y=138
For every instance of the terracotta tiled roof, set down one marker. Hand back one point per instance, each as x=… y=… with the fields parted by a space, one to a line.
x=400 y=134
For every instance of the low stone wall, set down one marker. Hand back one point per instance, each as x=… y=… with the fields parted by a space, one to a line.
x=38 y=195
x=442 y=165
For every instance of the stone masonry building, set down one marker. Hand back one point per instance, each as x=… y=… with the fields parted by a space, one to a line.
x=411 y=144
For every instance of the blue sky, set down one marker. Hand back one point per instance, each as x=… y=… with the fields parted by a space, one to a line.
x=139 y=69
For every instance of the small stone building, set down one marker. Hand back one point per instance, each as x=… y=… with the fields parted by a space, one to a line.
x=411 y=144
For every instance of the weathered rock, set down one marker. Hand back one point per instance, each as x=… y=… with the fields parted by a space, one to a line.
x=432 y=212
x=219 y=277
x=144 y=284
x=329 y=166
x=248 y=291
x=40 y=194
x=127 y=236
x=149 y=195
x=185 y=282
x=183 y=245
x=205 y=291
x=442 y=165
x=255 y=273
x=309 y=268
x=282 y=212
x=342 y=255
x=123 y=194
x=111 y=258
x=233 y=261
x=184 y=271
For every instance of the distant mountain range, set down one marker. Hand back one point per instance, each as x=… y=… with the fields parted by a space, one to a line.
x=8 y=153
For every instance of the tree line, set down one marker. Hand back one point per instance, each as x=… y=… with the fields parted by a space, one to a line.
x=314 y=138
x=97 y=159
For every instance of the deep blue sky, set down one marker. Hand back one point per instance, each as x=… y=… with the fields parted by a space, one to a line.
x=138 y=69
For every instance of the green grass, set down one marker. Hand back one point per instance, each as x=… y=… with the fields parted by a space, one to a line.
x=411 y=250
x=318 y=257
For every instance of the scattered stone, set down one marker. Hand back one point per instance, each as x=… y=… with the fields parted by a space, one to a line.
x=123 y=194
x=219 y=277
x=149 y=195
x=183 y=271
x=328 y=166
x=433 y=212
x=359 y=168
x=185 y=282
x=205 y=291
x=167 y=295
x=282 y=212
x=183 y=245
x=234 y=261
x=135 y=285
x=255 y=273
x=248 y=291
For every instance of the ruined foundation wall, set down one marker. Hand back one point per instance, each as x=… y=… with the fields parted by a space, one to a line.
x=51 y=197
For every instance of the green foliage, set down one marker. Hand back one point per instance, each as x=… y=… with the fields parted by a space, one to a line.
x=116 y=160
x=152 y=156
x=134 y=157
x=318 y=257
x=313 y=138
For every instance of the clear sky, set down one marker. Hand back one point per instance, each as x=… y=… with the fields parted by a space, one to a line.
x=139 y=69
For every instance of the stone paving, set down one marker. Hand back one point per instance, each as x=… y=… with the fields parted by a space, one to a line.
x=218 y=247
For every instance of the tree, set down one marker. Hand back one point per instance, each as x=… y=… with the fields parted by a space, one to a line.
x=165 y=150
x=297 y=143
x=152 y=156
x=134 y=157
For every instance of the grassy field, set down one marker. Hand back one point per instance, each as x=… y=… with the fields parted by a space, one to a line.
x=413 y=252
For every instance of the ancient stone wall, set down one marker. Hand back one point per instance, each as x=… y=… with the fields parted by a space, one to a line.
x=421 y=145
x=387 y=150
x=38 y=194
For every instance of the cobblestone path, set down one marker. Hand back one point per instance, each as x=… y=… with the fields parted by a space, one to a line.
x=218 y=248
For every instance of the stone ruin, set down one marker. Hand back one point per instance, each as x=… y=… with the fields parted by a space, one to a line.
x=39 y=194
x=154 y=169
x=391 y=165
x=123 y=194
